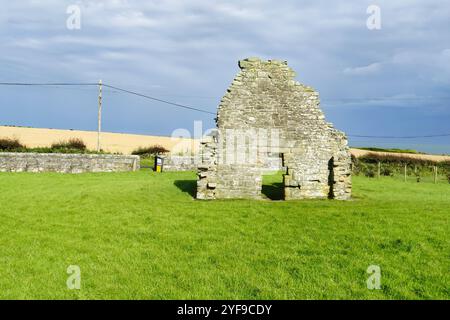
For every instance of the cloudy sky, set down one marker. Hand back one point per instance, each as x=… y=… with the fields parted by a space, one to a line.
x=389 y=82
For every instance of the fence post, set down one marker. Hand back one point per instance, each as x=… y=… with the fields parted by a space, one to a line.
x=379 y=169
x=405 y=172
x=435 y=174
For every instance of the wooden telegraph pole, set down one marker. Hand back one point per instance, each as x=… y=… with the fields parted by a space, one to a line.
x=99 y=114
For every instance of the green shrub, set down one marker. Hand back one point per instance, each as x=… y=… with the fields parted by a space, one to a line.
x=369 y=173
x=386 y=171
x=10 y=144
x=150 y=151
x=372 y=157
x=394 y=150
x=392 y=165
x=445 y=165
x=72 y=144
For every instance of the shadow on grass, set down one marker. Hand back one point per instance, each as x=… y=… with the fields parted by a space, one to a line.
x=273 y=191
x=188 y=186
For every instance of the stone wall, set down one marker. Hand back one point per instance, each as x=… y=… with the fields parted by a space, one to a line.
x=66 y=163
x=265 y=111
x=180 y=163
x=190 y=163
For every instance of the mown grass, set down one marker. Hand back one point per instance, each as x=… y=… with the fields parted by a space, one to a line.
x=142 y=236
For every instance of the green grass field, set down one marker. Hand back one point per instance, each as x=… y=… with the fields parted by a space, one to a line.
x=142 y=236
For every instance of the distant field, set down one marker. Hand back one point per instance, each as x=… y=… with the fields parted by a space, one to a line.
x=111 y=142
x=394 y=150
x=430 y=157
x=142 y=236
x=126 y=143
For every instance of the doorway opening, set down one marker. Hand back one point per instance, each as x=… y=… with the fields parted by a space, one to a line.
x=273 y=186
x=273 y=183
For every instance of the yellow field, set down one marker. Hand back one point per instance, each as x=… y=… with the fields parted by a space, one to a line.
x=110 y=142
x=359 y=153
x=126 y=143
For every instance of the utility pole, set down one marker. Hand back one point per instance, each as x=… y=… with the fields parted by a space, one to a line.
x=99 y=114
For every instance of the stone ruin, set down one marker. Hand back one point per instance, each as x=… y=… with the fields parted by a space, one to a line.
x=266 y=113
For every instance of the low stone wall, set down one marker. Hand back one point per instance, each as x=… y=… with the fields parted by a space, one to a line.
x=181 y=163
x=66 y=163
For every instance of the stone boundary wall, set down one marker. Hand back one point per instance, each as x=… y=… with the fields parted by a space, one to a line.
x=181 y=163
x=66 y=163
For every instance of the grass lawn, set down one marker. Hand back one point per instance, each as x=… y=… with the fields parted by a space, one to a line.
x=142 y=236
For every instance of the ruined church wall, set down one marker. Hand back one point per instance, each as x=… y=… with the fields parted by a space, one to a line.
x=265 y=96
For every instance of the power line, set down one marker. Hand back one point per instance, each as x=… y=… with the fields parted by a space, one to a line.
x=111 y=87
x=370 y=99
x=402 y=137
x=46 y=84
x=157 y=99
x=210 y=97
x=194 y=108
x=172 y=95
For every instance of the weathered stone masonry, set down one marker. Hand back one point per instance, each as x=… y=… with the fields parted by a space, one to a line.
x=265 y=96
x=66 y=163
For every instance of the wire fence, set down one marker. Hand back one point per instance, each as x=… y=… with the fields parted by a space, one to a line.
x=401 y=167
